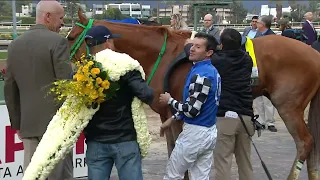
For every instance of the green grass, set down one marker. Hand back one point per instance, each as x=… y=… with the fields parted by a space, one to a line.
x=3 y=55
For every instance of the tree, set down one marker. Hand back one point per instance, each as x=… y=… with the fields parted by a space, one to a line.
x=154 y=12
x=313 y=6
x=278 y=8
x=71 y=9
x=5 y=8
x=297 y=11
x=239 y=12
x=114 y=13
x=111 y=13
x=254 y=10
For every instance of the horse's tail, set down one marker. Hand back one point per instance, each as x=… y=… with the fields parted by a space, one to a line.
x=314 y=129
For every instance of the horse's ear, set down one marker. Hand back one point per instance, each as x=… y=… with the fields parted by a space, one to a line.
x=83 y=20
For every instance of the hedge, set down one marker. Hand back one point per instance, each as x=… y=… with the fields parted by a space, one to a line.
x=28 y=20
x=6 y=36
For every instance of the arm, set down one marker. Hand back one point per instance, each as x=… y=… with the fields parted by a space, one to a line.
x=139 y=87
x=60 y=59
x=11 y=94
x=198 y=93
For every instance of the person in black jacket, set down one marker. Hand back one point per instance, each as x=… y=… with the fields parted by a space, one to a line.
x=316 y=45
x=234 y=66
x=286 y=29
x=110 y=135
x=262 y=105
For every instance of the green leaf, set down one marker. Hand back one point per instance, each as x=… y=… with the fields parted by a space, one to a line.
x=103 y=75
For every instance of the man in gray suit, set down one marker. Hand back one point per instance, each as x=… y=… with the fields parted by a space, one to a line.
x=252 y=31
x=35 y=60
x=208 y=27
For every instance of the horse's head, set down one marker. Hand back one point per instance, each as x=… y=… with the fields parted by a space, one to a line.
x=76 y=36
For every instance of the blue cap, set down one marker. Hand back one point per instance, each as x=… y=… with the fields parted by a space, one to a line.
x=98 y=35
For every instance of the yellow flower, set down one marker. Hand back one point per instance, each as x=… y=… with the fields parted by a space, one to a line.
x=89 y=85
x=83 y=56
x=100 y=100
x=105 y=84
x=85 y=69
x=93 y=95
x=86 y=90
x=79 y=69
x=80 y=77
x=98 y=80
x=90 y=63
x=100 y=90
x=95 y=71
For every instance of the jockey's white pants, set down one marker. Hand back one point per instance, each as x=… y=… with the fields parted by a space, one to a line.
x=193 y=151
x=265 y=109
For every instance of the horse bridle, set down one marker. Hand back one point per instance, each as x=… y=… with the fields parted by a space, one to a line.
x=81 y=38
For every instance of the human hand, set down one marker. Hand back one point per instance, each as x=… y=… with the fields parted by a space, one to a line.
x=164 y=98
x=165 y=126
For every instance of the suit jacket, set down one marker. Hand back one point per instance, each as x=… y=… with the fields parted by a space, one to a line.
x=35 y=60
x=269 y=32
x=247 y=30
x=310 y=32
x=214 y=32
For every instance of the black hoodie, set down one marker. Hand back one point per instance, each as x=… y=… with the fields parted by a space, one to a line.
x=234 y=67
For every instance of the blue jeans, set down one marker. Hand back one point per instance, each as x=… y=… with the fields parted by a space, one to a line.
x=100 y=158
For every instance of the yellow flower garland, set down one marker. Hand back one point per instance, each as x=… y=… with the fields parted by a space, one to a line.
x=94 y=83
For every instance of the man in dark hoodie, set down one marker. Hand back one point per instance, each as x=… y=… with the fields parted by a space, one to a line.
x=234 y=66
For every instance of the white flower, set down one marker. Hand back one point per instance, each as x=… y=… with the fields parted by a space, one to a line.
x=61 y=134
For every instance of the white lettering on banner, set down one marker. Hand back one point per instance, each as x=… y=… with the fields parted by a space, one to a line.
x=11 y=152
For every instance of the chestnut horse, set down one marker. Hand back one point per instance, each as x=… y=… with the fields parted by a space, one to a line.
x=289 y=75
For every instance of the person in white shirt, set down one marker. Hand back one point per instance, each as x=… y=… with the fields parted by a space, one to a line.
x=252 y=31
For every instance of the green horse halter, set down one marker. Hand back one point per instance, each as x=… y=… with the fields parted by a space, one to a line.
x=80 y=40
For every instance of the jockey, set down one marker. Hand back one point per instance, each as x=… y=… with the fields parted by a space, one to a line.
x=235 y=67
x=194 y=147
x=110 y=136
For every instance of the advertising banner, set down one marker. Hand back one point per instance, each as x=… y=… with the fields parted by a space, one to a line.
x=11 y=152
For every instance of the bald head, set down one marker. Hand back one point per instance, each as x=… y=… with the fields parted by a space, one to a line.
x=208 y=20
x=308 y=16
x=208 y=16
x=50 y=13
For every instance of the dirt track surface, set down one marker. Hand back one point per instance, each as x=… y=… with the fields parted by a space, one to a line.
x=277 y=150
